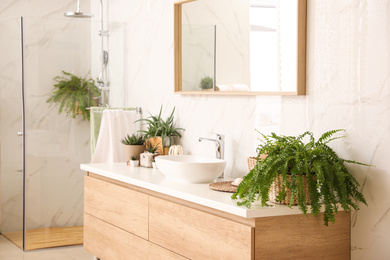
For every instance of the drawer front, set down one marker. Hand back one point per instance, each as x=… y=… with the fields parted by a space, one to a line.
x=303 y=237
x=108 y=242
x=120 y=206
x=158 y=253
x=198 y=235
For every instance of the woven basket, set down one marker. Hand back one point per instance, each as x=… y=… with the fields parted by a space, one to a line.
x=253 y=160
x=277 y=186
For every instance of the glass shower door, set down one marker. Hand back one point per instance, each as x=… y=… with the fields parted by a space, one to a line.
x=55 y=145
x=11 y=139
x=41 y=184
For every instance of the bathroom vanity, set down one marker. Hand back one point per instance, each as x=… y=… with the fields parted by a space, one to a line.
x=137 y=213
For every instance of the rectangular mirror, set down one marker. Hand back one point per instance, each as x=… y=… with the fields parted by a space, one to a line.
x=240 y=47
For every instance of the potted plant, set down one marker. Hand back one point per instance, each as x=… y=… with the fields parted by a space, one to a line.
x=206 y=83
x=134 y=145
x=160 y=132
x=307 y=173
x=74 y=94
x=133 y=161
x=147 y=158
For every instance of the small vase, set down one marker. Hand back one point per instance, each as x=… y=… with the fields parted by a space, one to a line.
x=146 y=159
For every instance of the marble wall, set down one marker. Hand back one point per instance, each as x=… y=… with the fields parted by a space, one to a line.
x=347 y=87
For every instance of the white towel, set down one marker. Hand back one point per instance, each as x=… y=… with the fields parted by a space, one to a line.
x=224 y=88
x=116 y=124
x=240 y=87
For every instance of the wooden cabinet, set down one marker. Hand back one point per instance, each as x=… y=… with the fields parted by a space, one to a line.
x=197 y=235
x=122 y=221
x=116 y=223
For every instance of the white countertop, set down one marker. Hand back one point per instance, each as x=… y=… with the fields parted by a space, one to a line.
x=197 y=193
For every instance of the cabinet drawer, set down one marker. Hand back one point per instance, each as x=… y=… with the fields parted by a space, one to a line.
x=158 y=253
x=117 y=205
x=109 y=242
x=198 y=235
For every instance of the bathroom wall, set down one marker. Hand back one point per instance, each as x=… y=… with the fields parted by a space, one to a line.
x=347 y=87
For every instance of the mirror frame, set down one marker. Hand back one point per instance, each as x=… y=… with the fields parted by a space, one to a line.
x=301 y=56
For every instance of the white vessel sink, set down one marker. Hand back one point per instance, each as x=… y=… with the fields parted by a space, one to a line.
x=190 y=168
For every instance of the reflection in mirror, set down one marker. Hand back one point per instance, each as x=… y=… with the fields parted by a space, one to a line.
x=260 y=46
x=199 y=56
x=273 y=32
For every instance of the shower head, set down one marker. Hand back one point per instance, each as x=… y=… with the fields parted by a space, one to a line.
x=78 y=13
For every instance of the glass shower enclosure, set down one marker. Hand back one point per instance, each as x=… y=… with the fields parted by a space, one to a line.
x=41 y=185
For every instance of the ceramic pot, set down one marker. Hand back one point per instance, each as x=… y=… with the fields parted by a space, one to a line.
x=146 y=159
x=133 y=150
x=134 y=163
x=156 y=141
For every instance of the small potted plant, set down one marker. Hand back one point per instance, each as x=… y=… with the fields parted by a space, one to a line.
x=147 y=158
x=160 y=132
x=206 y=83
x=74 y=94
x=134 y=145
x=297 y=173
x=133 y=161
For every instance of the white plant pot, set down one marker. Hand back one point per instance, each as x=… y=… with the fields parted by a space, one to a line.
x=134 y=163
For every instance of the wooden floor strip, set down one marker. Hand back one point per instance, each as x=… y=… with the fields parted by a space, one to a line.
x=47 y=237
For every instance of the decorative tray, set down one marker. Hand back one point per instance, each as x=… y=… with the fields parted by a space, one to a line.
x=225 y=186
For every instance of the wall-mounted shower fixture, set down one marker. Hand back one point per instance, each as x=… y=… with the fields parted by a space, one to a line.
x=104 y=77
x=78 y=13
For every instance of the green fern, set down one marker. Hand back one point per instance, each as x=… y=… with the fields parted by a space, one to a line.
x=74 y=94
x=330 y=184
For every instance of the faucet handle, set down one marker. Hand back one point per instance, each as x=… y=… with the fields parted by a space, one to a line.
x=219 y=136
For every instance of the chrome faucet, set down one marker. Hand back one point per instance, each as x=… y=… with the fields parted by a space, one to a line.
x=219 y=147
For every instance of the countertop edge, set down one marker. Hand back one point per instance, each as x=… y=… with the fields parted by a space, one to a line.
x=231 y=208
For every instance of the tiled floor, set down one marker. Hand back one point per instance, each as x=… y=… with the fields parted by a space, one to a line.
x=8 y=251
